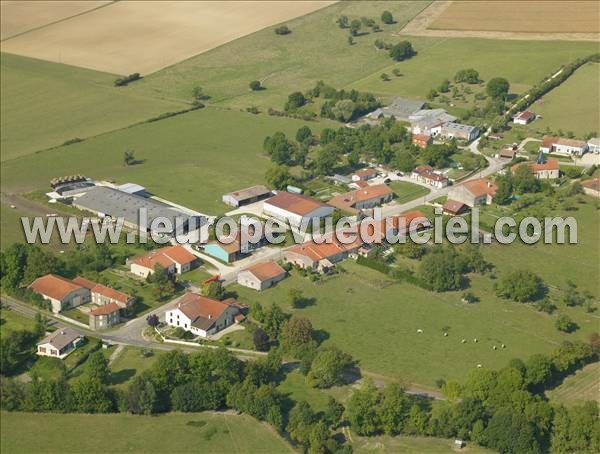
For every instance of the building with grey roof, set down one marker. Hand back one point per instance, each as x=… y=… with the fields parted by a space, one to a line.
x=400 y=108
x=137 y=212
x=459 y=131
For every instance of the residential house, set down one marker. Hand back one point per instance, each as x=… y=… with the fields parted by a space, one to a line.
x=295 y=208
x=455 y=208
x=321 y=257
x=547 y=145
x=524 y=118
x=360 y=199
x=594 y=145
x=358 y=184
x=508 y=153
x=364 y=174
x=459 y=131
x=479 y=191
x=60 y=291
x=175 y=259
x=104 y=316
x=247 y=196
x=59 y=343
x=101 y=294
x=542 y=169
x=203 y=316
x=422 y=140
x=261 y=276
x=591 y=187
x=425 y=174
x=564 y=146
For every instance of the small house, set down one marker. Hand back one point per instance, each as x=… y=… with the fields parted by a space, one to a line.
x=175 y=259
x=422 y=140
x=104 y=316
x=364 y=175
x=524 y=118
x=455 y=208
x=261 y=276
x=59 y=343
x=479 y=191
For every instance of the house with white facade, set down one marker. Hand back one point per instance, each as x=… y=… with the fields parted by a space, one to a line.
x=359 y=199
x=203 y=316
x=561 y=145
x=261 y=276
x=459 y=131
x=61 y=292
x=524 y=118
x=59 y=343
x=175 y=259
x=594 y=145
x=102 y=295
x=295 y=208
x=429 y=122
x=426 y=175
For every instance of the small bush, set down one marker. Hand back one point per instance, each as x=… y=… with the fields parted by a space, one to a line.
x=122 y=81
x=282 y=30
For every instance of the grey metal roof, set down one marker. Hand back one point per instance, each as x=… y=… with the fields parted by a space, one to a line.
x=60 y=338
x=119 y=204
x=458 y=127
x=400 y=108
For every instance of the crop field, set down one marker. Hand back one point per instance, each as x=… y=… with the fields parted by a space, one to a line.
x=190 y=159
x=175 y=432
x=20 y=16
x=583 y=386
x=45 y=104
x=573 y=106
x=127 y=37
x=520 y=16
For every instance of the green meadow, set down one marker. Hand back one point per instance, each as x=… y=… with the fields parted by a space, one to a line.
x=45 y=104
x=578 y=388
x=117 y=433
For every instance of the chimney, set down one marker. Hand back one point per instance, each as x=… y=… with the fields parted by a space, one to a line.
x=209 y=316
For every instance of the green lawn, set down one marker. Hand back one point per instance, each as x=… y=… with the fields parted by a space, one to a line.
x=192 y=159
x=578 y=388
x=13 y=321
x=405 y=191
x=118 y=433
x=129 y=363
x=410 y=445
x=573 y=106
x=45 y=104
x=295 y=387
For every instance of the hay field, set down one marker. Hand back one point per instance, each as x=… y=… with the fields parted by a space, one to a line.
x=18 y=17
x=576 y=389
x=127 y=37
x=521 y=16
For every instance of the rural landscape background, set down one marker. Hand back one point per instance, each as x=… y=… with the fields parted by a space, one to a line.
x=198 y=132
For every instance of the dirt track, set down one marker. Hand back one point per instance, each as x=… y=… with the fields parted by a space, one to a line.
x=419 y=26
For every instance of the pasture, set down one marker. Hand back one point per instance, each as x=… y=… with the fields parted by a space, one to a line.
x=583 y=385
x=192 y=432
x=411 y=445
x=573 y=106
x=406 y=191
x=127 y=37
x=527 y=17
x=45 y=104
x=190 y=159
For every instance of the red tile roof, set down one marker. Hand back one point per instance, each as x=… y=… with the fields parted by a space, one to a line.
x=360 y=183
x=366 y=173
x=102 y=290
x=165 y=257
x=593 y=184
x=548 y=141
x=266 y=271
x=527 y=115
x=550 y=164
x=350 y=199
x=106 y=309
x=53 y=286
x=481 y=186
x=454 y=206
x=294 y=203
x=201 y=310
x=423 y=169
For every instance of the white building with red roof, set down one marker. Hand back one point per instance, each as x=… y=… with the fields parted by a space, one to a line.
x=62 y=293
x=261 y=276
x=364 y=174
x=101 y=294
x=175 y=259
x=479 y=191
x=203 y=316
x=523 y=118
x=360 y=199
x=295 y=208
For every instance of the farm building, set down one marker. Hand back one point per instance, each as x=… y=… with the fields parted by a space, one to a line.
x=320 y=257
x=247 y=196
x=60 y=291
x=295 y=208
x=524 y=118
x=421 y=140
x=364 y=174
x=426 y=175
x=455 y=208
x=591 y=187
x=104 y=316
x=429 y=121
x=459 y=131
x=59 y=343
x=101 y=294
x=175 y=259
x=594 y=145
x=261 y=276
x=203 y=316
x=358 y=184
x=474 y=192
x=400 y=109
x=225 y=252
x=507 y=153
x=359 y=199
x=233 y=247
x=138 y=213
x=551 y=144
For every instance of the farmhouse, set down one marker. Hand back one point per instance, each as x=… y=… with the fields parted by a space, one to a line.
x=474 y=192
x=425 y=174
x=360 y=199
x=261 y=276
x=400 y=109
x=101 y=294
x=59 y=343
x=320 y=257
x=455 y=208
x=594 y=145
x=591 y=187
x=542 y=169
x=421 y=140
x=137 y=212
x=232 y=247
x=404 y=224
x=364 y=175
x=524 y=118
x=104 y=316
x=60 y=291
x=247 y=196
x=429 y=121
x=459 y=131
x=295 y=208
x=551 y=144
x=175 y=259
x=203 y=316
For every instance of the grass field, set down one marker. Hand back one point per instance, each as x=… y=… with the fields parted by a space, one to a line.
x=129 y=363
x=511 y=16
x=410 y=445
x=190 y=159
x=13 y=321
x=574 y=105
x=584 y=385
x=118 y=433
x=45 y=104
x=405 y=191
